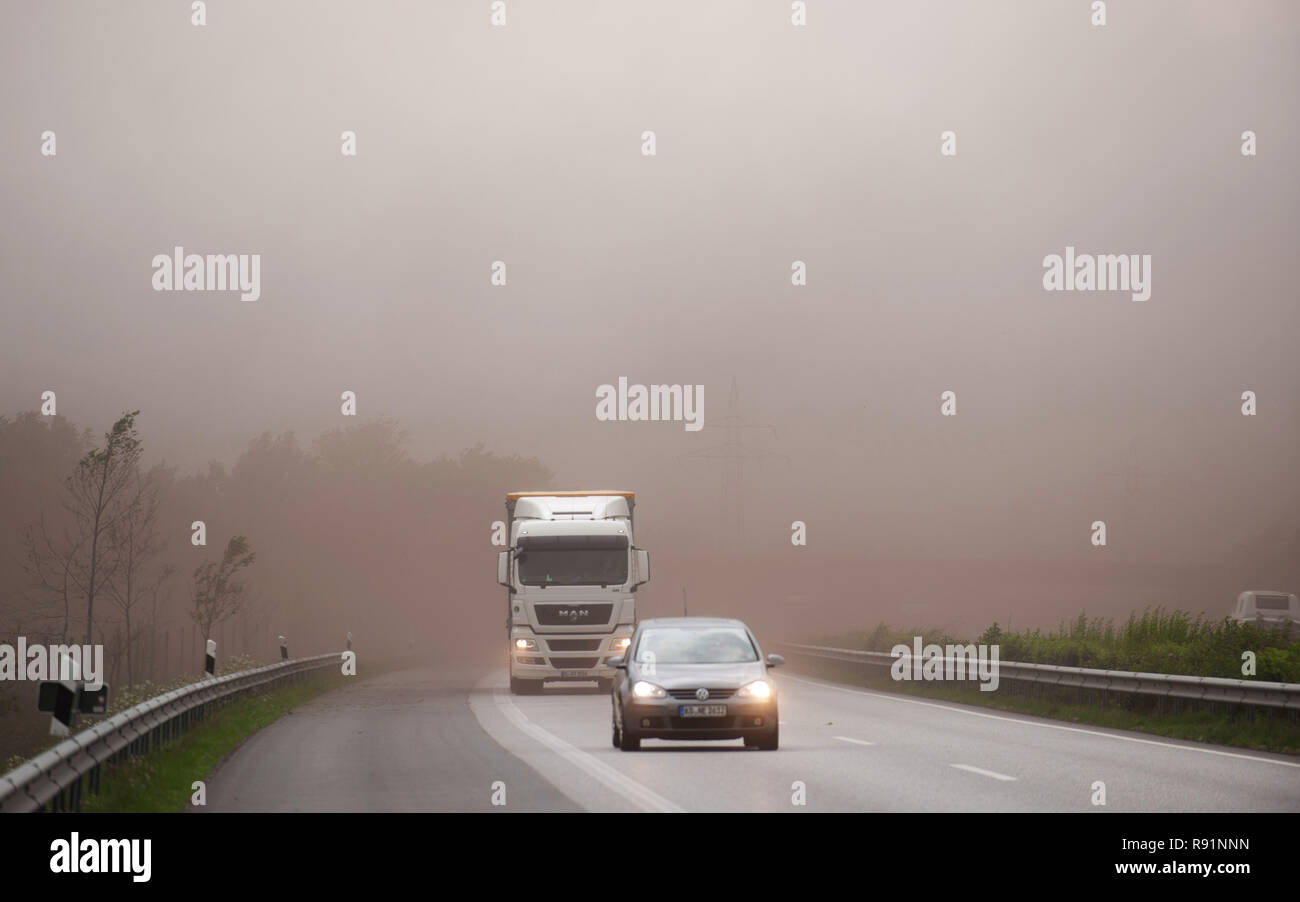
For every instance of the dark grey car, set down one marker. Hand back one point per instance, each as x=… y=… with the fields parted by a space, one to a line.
x=694 y=678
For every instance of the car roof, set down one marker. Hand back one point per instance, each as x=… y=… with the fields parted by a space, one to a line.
x=689 y=622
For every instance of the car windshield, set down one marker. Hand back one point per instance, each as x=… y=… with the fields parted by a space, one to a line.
x=586 y=567
x=695 y=645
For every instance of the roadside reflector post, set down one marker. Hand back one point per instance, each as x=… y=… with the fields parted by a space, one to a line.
x=210 y=660
x=349 y=640
x=284 y=649
x=65 y=698
x=59 y=697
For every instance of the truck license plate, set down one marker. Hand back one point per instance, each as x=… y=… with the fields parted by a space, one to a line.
x=574 y=675
x=701 y=710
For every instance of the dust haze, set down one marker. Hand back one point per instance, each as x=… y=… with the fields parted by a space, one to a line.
x=775 y=144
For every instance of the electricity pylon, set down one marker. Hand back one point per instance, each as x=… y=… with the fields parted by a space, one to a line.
x=733 y=453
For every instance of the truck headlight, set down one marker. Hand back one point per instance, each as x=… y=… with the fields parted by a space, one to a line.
x=642 y=689
x=621 y=644
x=756 y=689
x=526 y=644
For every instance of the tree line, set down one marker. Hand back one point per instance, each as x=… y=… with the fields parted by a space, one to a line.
x=98 y=547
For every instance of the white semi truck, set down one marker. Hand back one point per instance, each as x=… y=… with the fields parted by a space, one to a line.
x=571 y=574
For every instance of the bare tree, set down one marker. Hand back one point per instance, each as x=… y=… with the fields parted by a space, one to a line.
x=96 y=490
x=154 y=591
x=216 y=593
x=52 y=567
x=133 y=532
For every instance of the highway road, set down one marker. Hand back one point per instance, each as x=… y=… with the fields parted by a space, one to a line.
x=430 y=740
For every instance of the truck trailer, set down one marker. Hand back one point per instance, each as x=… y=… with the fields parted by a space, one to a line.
x=571 y=572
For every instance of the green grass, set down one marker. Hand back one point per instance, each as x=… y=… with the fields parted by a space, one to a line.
x=161 y=779
x=1157 y=641
x=1271 y=733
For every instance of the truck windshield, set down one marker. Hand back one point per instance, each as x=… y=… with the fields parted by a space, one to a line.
x=585 y=567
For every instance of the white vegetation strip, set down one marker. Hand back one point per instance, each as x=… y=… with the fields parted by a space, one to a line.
x=625 y=786
x=854 y=741
x=890 y=696
x=982 y=772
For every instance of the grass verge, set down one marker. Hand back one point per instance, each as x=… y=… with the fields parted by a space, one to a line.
x=1274 y=732
x=162 y=779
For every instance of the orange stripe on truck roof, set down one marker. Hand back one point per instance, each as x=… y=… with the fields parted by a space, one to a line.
x=515 y=496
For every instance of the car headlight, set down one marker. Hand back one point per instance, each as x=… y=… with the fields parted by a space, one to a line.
x=642 y=689
x=526 y=644
x=756 y=689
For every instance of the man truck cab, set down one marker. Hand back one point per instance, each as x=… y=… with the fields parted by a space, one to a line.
x=571 y=574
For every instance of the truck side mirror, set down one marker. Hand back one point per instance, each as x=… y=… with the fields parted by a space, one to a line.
x=503 y=568
x=642 y=566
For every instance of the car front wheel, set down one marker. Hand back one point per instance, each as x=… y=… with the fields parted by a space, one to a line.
x=626 y=741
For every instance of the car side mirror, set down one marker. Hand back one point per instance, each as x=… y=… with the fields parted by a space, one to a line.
x=619 y=663
x=775 y=660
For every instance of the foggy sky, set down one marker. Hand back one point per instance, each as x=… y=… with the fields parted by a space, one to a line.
x=775 y=143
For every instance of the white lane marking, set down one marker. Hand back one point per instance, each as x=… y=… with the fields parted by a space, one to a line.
x=1047 y=726
x=852 y=740
x=982 y=772
x=625 y=786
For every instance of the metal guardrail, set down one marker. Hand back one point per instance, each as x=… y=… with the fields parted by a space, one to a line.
x=1159 y=685
x=54 y=777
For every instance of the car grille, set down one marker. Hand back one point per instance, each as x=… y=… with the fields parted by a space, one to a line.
x=575 y=614
x=573 y=644
x=690 y=693
x=573 y=663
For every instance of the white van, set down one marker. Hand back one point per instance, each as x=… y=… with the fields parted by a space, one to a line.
x=1268 y=609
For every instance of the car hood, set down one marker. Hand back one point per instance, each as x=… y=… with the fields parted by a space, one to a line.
x=695 y=676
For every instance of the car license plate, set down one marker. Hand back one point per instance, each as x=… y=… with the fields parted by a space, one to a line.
x=574 y=675
x=701 y=710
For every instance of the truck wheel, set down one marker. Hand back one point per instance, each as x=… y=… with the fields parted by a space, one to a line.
x=525 y=687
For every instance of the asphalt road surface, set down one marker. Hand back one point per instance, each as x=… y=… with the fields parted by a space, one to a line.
x=422 y=740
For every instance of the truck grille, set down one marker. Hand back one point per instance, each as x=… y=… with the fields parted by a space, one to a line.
x=573 y=663
x=690 y=693
x=575 y=614
x=573 y=644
